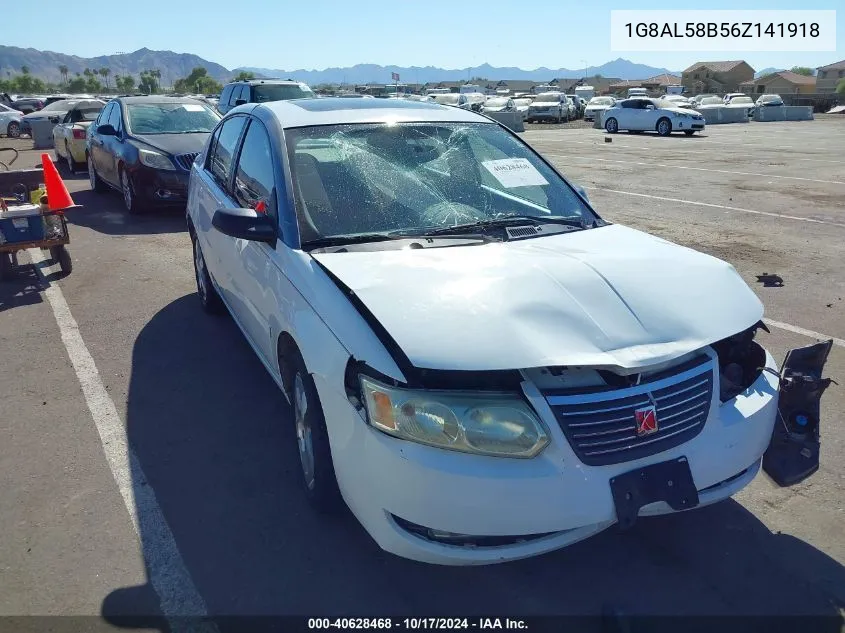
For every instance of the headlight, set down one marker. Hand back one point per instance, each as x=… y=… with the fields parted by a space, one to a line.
x=499 y=424
x=155 y=160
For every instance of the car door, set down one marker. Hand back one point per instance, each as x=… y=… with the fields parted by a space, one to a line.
x=96 y=149
x=649 y=114
x=215 y=192
x=113 y=146
x=60 y=135
x=252 y=268
x=626 y=114
x=223 y=104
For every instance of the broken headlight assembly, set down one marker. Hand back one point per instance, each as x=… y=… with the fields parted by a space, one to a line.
x=741 y=360
x=484 y=423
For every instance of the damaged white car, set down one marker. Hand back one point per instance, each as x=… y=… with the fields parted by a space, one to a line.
x=480 y=366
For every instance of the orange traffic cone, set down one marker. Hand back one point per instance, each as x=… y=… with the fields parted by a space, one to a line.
x=58 y=197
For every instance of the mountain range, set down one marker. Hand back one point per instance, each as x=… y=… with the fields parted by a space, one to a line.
x=767 y=71
x=45 y=64
x=373 y=73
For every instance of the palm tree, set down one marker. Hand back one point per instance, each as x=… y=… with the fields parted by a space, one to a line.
x=156 y=73
x=63 y=72
x=104 y=73
x=25 y=70
x=87 y=72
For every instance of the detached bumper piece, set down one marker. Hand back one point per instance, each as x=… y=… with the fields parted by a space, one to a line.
x=793 y=453
x=667 y=481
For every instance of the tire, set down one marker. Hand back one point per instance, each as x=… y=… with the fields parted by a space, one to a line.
x=97 y=185
x=611 y=125
x=72 y=166
x=13 y=130
x=130 y=199
x=664 y=127
x=61 y=256
x=689 y=132
x=207 y=293
x=312 y=437
x=6 y=268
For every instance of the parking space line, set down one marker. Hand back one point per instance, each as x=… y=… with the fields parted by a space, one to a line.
x=717 y=171
x=700 y=147
x=719 y=206
x=805 y=332
x=168 y=575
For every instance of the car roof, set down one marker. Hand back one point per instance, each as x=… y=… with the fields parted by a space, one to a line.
x=338 y=111
x=268 y=81
x=156 y=99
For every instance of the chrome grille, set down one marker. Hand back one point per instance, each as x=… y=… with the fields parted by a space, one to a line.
x=600 y=426
x=186 y=160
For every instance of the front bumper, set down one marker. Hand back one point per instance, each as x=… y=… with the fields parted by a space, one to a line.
x=554 y=495
x=546 y=114
x=160 y=187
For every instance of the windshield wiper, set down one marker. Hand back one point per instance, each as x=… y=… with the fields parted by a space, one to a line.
x=363 y=238
x=513 y=220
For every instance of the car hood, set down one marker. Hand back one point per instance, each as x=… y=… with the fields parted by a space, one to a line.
x=598 y=107
x=174 y=143
x=677 y=110
x=545 y=104
x=608 y=297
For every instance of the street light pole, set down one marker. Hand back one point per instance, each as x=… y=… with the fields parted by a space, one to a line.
x=585 y=68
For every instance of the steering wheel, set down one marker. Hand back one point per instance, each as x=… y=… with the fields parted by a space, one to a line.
x=451 y=213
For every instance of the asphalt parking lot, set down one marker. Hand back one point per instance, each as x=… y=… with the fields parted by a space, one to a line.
x=149 y=463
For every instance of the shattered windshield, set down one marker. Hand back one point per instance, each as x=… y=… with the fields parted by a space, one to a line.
x=548 y=97
x=415 y=177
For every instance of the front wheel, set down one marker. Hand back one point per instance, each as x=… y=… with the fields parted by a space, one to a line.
x=312 y=438
x=14 y=130
x=130 y=200
x=611 y=125
x=97 y=185
x=664 y=127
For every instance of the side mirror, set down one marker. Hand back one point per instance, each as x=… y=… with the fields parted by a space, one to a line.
x=54 y=119
x=649 y=107
x=582 y=191
x=240 y=102
x=107 y=129
x=245 y=224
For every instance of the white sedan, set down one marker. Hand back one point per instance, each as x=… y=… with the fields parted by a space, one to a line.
x=478 y=365
x=597 y=106
x=498 y=104
x=10 y=121
x=651 y=115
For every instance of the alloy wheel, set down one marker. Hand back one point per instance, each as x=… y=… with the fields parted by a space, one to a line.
x=303 y=430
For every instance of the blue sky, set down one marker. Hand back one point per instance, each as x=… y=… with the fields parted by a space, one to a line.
x=318 y=33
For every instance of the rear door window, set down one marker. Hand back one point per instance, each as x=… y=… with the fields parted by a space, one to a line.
x=226 y=94
x=223 y=152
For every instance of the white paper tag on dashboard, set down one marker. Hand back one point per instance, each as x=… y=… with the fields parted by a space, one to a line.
x=192 y=107
x=515 y=172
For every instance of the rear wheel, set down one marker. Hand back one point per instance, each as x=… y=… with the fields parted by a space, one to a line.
x=61 y=255
x=97 y=185
x=611 y=125
x=14 y=130
x=72 y=165
x=206 y=291
x=664 y=127
x=6 y=268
